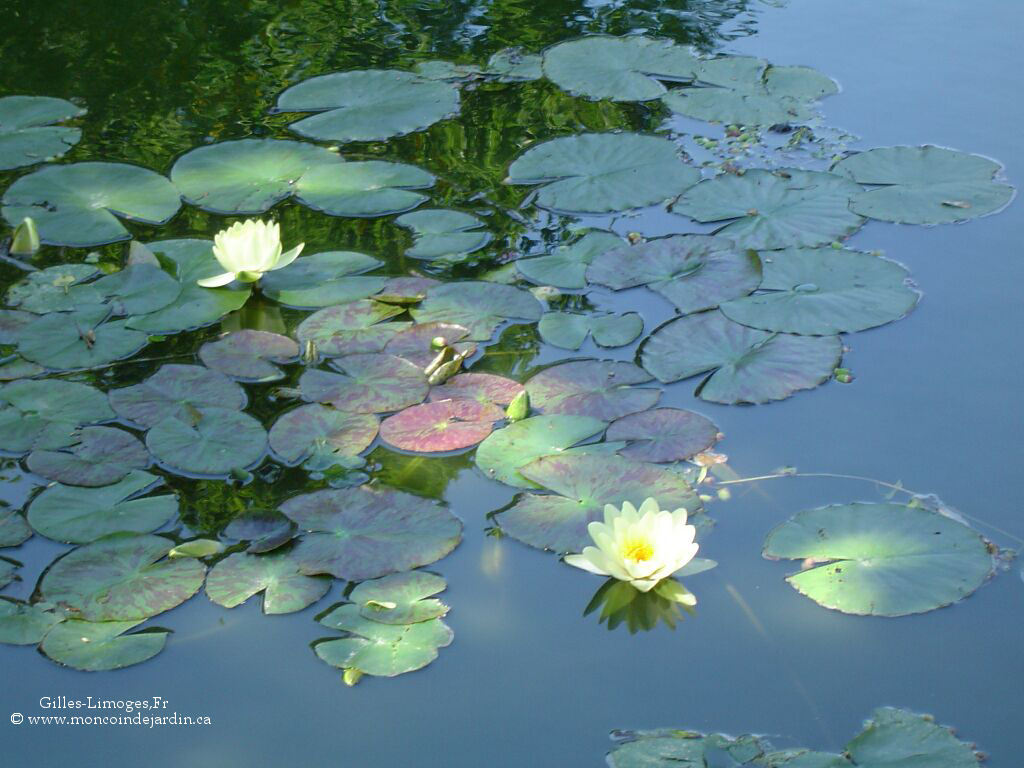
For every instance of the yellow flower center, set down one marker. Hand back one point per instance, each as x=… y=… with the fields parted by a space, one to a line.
x=637 y=550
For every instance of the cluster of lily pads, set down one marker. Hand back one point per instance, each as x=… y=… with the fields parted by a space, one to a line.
x=378 y=358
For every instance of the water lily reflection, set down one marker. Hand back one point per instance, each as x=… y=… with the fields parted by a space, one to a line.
x=622 y=603
x=248 y=249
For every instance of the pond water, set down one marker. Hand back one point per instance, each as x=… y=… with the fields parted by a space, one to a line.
x=529 y=679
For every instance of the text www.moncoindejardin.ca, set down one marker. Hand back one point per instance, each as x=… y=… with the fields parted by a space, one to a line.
x=150 y=721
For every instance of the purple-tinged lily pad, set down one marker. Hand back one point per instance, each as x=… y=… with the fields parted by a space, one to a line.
x=176 y=391
x=408 y=289
x=285 y=589
x=365 y=533
x=249 y=355
x=212 y=444
x=663 y=434
x=482 y=387
x=479 y=306
x=415 y=342
x=350 y=328
x=264 y=529
x=444 y=425
x=367 y=384
x=102 y=455
x=598 y=388
x=314 y=429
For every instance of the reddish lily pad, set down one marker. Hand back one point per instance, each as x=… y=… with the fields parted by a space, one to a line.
x=365 y=533
x=598 y=388
x=314 y=428
x=367 y=384
x=285 y=589
x=176 y=391
x=351 y=328
x=102 y=455
x=444 y=425
x=482 y=387
x=415 y=342
x=408 y=289
x=663 y=434
x=249 y=355
x=479 y=306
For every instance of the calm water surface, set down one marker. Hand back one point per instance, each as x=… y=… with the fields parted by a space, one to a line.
x=529 y=680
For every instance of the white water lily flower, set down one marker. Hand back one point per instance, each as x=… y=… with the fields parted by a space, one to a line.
x=247 y=250
x=639 y=546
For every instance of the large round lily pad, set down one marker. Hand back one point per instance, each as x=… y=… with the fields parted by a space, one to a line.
x=502 y=454
x=82 y=339
x=694 y=272
x=365 y=533
x=443 y=234
x=59 y=288
x=138 y=289
x=765 y=210
x=602 y=172
x=210 y=442
x=122 y=578
x=482 y=387
x=569 y=330
x=368 y=104
x=176 y=391
x=924 y=185
x=566 y=266
x=581 y=486
x=401 y=598
x=79 y=515
x=367 y=384
x=415 y=343
x=249 y=355
x=599 y=388
x=316 y=429
x=618 y=68
x=323 y=280
x=443 y=425
x=824 y=291
x=479 y=306
x=79 y=204
x=748 y=365
x=663 y=434
x=896 y=738
x=362 y=189
x=95 y=646
x=238 y=577
x=27 y=131
x=881 y=559
x=100 y=456
x=46 y=414
x=350 y=328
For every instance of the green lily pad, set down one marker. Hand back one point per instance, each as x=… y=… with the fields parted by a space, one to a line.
x=26 y=623
x=318 y=429
x=122 y=578
x=401 y=598
x=581 y=486
x=100 y=456
x=568 y=330
x=599 y=388
x=896 y=738
x=8 y=571
x=249 y=355
x=694 y=272
x=16 y=368
x=368 y=104
x=375 y=648
x=55 y=289
x=137 y=289
x=364 y=189
x=323 y=280
x=408 y=289
x=78 y=515
x=66 y=341
x=79 y=204
x=194 y=306
x=765 y=210
x=502 y=454
x=511 y=65
x=747 y=365
x=365 y=533
x=99 y=646
x=825 y=291
x=350 y=328
x=446 y=70
x=618 y=68
x=176 y=391
x=248 y=176
x=443 y=234
x=443 y=425
x=482 y=387
x=211 y=442
x=881 y=559
x=479 y=306
x=415 y=343
x=27 y=131
x=566 y=266
x=667 y=748
x=46 y=414
x=367 y=384
x=661 y=435
x=12 y=321
x=264 y=529
x=238 y=577
x=602 y=172
x=13 y=528
x=924 y=185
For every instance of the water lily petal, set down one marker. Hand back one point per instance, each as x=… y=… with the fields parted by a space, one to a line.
x=217 y=280
x=287 y=258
